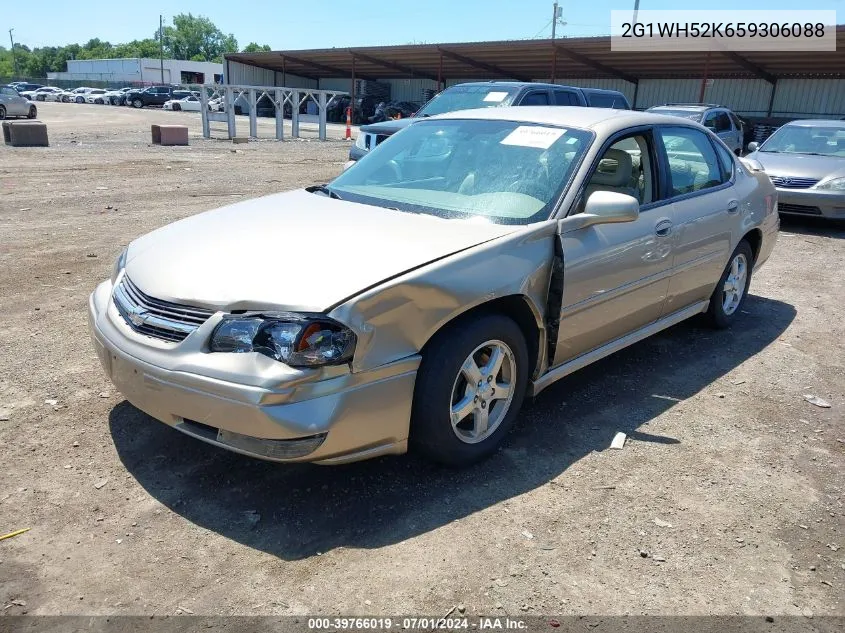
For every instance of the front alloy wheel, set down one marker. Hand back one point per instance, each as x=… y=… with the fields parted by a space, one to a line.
x=469 y=388
x=483 y=392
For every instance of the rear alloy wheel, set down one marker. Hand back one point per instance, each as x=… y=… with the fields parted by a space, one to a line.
x=2 y=112
x=469 y=389
x=730 y=292
x=33 y=112
x=137 y=103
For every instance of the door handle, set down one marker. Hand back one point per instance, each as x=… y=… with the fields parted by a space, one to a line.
x=733 y=206
x=663 y=228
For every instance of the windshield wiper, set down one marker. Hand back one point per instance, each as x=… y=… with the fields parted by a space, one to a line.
x=323 y=189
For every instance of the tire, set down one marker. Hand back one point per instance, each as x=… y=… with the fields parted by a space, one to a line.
x=176 y=107
x=137 y=103
x=726 y=304
x=80 y=100
x=443 y=384
x=33 y=112
x=2 y=112
x=40 y=98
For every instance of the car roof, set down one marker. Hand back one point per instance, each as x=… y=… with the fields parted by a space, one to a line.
x=530 y=84
x=685 y=106
x=600 y=119
x=817 y=123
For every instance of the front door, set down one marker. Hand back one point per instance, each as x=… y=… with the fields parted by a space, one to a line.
x=616 y=276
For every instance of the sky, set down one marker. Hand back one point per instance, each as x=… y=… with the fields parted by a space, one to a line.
x=286 y=25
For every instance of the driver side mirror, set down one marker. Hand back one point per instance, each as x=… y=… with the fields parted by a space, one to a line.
x=752 y=146
x=603 y=207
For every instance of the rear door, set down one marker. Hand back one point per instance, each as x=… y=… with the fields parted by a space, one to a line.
x=706 y=211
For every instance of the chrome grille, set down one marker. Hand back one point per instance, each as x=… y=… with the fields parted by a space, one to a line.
x=793 y=182
x=154 y=317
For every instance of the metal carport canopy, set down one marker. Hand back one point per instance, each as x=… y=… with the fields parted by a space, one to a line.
x=584 y=57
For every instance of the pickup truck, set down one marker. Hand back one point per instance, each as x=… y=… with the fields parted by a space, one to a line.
x=490 y=94
x=154 y=96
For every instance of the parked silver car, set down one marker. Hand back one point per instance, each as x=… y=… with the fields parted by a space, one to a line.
x=469 y=260
x=13 y=104
x=806 y=162
x=718 y=119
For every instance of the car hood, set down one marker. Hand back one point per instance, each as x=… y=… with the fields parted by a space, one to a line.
x=388 y=127
x=292 y=251
x=800 y=165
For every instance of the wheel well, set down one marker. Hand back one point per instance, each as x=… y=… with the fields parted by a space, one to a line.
x=754 y=237
x=514 y=306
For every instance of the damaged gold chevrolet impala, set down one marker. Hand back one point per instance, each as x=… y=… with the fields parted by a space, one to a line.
x=468 y=261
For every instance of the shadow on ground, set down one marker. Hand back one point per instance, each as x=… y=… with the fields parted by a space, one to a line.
x=307 y=509
x=822 y=227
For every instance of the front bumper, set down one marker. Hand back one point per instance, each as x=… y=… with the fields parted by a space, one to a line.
x=812 y=202
x=256 y=406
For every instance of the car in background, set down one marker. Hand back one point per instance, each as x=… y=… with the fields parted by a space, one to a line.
x=496 y=252
x=806 y=161
x=12 y=104
x=189 y=104
x=116 y=97
x=152 y=96
x=488 y=94
x=24 y=86
x=40 y=94
x=77 y=95
x=97 y=95
x=719 y=119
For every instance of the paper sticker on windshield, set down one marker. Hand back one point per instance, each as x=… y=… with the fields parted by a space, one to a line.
x=496 y=97
x=534 y=136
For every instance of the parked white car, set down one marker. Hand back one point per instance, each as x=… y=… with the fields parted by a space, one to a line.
x=191 y=104
x=77 y=95
x=97 y=95
x=40 y=94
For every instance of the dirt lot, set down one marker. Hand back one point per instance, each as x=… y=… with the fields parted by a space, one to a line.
x=128 y=516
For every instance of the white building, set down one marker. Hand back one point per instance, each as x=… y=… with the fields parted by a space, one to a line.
x=141 y=70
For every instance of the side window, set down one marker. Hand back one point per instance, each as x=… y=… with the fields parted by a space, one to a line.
x=693 y=164
x=625 y=167
x=723 y=123
x=709 y=121
x=737 y=123
x=566 y=97
x=535 y=99
x=600 y=100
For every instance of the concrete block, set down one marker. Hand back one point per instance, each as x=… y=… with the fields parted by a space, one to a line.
x=169 y=134
x=240 y=139
x=25 y=134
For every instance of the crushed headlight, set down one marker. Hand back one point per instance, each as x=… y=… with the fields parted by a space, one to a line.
x=361 y=141
x=835 y=184
x=119 y=265
x=294 y=339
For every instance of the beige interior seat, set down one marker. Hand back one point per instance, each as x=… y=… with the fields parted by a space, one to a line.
x=614 y=174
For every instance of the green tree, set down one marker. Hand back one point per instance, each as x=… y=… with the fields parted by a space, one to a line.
x=197 y=38
x=252 y=47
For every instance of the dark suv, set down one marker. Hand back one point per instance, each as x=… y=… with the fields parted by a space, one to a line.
x=154 y=95
x=490 y=94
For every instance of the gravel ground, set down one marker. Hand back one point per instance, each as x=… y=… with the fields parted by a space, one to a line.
x=727 y=499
